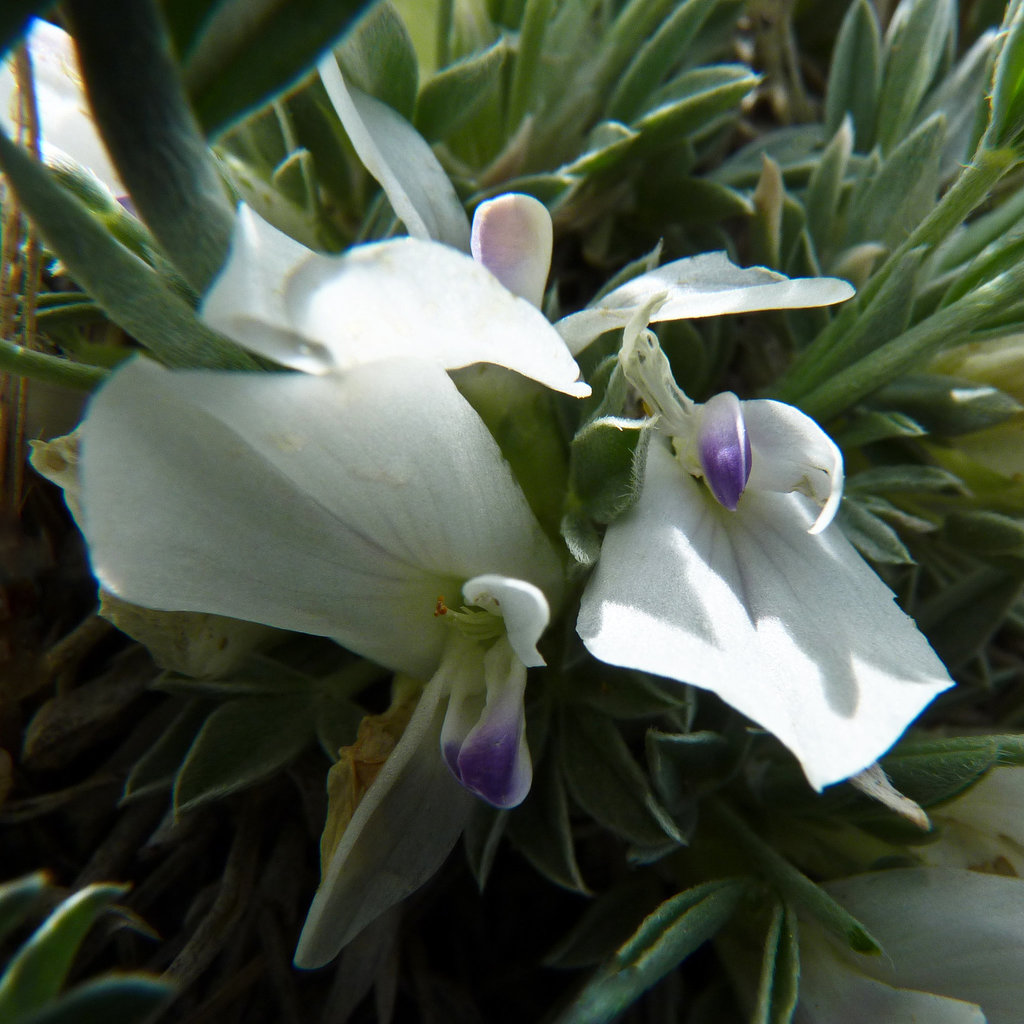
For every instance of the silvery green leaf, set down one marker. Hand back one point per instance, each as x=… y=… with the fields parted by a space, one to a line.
x=903 y=191
x=242 y=742
x=606 y=782
x=947 y=406
x=691 y=102
x=985 y=533
x=825 y=190
x=934 y=770
x=37 y=971
x=17 y=899
x=142 y=112
x=682 y=763
x=963 y=615
x=658 y=54
x=378 y=57
x=855 y=77
x=159 y=765
x=913 y=479
x=1008 y=87
x=779 y=986
x=242 y=57
x=864 y=427
x=915 y=48
x=541 y=830
x=452 y=97
x=796 y=150
x=667 y=937
x=875 y=539
x=128 y=998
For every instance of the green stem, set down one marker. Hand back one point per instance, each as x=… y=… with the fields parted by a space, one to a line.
x=52 y=369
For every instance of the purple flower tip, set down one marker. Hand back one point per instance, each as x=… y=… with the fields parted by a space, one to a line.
x=488 y=765
x=724 y=448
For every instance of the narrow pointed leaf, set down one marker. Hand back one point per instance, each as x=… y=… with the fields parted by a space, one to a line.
x=124 y=998
x=37 y=971
x=855 y=79
x=668 y=935
x=377 y=56
x=243 y=741
x=17 y=898
x=780 y=970
x=243 y=62
x=453 y=96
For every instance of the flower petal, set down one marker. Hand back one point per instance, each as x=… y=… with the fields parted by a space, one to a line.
x=403 y=299
x=523 y=606
x=400 y=834
x=790 y=452
x=795 y=631
x=249 y=298
x=956 y=933
x=512 y=238
x=706 y=285
x=834 y=991
x=340 y=505
x=493 y=759
x=400 y=159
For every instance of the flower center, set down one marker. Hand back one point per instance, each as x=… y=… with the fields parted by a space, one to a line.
x=476 y=623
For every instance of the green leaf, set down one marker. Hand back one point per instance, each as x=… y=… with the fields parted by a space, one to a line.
x=684 y=763
x=18 y=898
x=931 y=771
x=606 y=782
x=607 y=922
x=904 y=190
x=602 y=478
x=656 y=57
x=37 y=971
x=242 y=62
x=867 y=427
x=1007 y=123
x=455 y=95
x=667 y=937
x=157 y=768
x=523 y=88
x=906 y=479
x=141 y=111
x=854 y=81
x=540 y=829
x=797 y=151
x=948 y=406
x=120 y=998
x=961 y=618
x=378 y=57
x=779 y=987
x=691 y=102
x=129 y=291
x=989 y=534
x=825 y=190
x=875 y=539
x=915 y=47
x=794 y=886
x=243 y=742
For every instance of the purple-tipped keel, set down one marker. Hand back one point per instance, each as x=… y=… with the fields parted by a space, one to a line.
x=724 y=448
x=485 y=747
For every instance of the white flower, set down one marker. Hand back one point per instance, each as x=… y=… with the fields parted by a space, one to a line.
x=953 y=951
x=726 y=575
x=352 y=505
x=401 y=299
x=66 y=125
